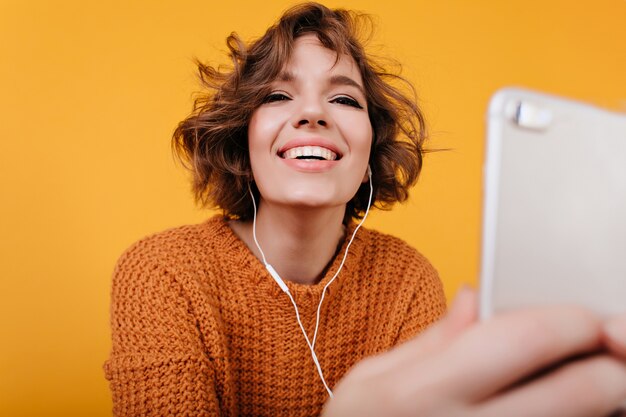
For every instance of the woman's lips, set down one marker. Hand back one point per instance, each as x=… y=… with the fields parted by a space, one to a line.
x=309 y=165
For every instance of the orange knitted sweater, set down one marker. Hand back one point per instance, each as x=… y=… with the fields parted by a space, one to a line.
x=199 y=328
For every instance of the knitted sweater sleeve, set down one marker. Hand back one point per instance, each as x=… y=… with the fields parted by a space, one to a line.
x=157 y=366
x=428 y=302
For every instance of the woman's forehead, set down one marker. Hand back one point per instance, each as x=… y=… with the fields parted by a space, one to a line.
x=309 y=58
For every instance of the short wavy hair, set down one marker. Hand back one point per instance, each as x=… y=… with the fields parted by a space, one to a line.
x=212 y=142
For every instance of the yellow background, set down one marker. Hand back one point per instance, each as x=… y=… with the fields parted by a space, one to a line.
x=91 y=91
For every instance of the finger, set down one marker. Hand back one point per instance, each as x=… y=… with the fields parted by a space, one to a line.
x=589 y=387
x=507 y=348
x=460 y=316
x=615 y=336
x=464 y=312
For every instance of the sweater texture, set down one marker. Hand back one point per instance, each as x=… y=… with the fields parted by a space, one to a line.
x=199 y=327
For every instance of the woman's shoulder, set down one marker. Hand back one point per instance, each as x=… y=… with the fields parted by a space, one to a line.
x=172 y=246
x=391 y=257
x=387 y=248
x=404 y=277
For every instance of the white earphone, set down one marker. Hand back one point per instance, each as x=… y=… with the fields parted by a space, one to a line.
x=285 y=289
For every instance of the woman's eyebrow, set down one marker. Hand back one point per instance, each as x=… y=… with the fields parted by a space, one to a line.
x=338 y=79
x=345 y=80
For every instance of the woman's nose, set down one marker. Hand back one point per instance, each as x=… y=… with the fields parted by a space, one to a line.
x=311 y=114
x=312 y=121
x=306 y=121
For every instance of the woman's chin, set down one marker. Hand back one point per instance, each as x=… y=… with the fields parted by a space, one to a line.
x=310 y=202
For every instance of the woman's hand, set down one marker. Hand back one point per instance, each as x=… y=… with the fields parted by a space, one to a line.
x=505 y=366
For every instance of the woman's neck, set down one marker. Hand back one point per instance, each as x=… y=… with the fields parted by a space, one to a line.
x=298 y=243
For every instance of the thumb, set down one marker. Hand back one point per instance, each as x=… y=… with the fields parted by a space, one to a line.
x=615 y=335
x=461 y=315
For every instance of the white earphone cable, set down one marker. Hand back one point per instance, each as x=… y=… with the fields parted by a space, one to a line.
x=283 y=286
x=286 y=291
x=345 y=255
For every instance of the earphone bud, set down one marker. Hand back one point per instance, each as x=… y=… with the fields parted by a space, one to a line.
x=283 y=286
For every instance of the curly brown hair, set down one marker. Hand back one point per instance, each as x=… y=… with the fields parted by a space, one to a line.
x=213 y=141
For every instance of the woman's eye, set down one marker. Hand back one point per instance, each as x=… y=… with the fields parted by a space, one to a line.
x=347 y=101
x=273 y=97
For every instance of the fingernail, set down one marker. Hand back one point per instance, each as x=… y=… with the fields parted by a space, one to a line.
x=464 y=290
x=464 y=305
x=461 y=295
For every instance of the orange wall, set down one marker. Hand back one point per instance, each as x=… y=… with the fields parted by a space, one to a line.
x=91 y=91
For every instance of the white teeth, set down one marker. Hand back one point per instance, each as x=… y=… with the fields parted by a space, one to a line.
x=316 y=151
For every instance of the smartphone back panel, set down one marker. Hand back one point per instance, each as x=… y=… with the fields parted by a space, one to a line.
x=554 y=219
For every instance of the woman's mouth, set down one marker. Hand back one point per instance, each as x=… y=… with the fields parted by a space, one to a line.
x=312 y=153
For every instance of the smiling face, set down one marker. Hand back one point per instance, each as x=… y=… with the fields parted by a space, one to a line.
x=310 y=140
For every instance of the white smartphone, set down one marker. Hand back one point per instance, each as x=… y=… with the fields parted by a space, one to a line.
x=554 y=217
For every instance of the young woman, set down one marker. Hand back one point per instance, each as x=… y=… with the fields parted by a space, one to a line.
x=284 y=305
